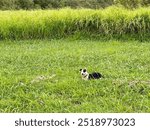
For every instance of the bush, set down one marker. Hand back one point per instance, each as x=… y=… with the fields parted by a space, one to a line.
x=51 y=4
x=146 y=3
x=131 y=4
x=26 y=4
x=9 y=4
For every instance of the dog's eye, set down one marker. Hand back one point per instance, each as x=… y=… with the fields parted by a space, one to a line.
x=84 y=70
x=80 y=69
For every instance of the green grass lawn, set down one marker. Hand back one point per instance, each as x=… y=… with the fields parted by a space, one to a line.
x=125 y=65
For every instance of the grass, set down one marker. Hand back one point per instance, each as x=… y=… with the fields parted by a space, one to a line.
x=108 y=23
x=125 y=65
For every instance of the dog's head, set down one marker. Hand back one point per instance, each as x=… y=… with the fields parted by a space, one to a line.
x=84 y=73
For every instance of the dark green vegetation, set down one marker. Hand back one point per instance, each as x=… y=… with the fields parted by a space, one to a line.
x=125 y=65
x=51 y=4
x=110 y=23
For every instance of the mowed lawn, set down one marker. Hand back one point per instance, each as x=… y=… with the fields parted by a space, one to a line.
x=43 y=76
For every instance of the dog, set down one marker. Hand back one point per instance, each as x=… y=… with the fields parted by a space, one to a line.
x=86 y=76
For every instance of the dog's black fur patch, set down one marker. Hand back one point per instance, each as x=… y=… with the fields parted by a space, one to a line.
x=84 y=70
x=95 y=75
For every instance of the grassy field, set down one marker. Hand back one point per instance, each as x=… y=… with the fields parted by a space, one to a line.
x=43 y=76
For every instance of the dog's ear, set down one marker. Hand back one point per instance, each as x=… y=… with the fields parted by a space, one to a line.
x=80 y=70
x=84 y=70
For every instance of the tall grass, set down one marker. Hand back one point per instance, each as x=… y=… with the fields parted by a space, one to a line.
x=109 y=22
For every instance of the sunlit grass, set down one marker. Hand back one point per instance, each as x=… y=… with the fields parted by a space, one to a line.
x=110 y=22
x=125 y=65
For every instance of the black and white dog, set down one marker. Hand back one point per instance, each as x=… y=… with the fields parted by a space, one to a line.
x=86 y=76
